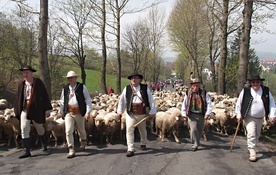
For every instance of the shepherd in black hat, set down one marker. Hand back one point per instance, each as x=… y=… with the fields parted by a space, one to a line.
x=135 y=74
x=255 y=77
x=32 y=105
x=27 y=67
x=255 y=103
x=137 y=100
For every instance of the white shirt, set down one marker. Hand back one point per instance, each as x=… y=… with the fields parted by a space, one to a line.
x=257 y=109
x=73 y=100
x=123 y=102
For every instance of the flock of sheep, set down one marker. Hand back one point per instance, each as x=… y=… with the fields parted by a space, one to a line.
x=105 y=126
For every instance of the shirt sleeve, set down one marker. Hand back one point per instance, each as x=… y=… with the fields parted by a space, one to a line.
x=239 y=103
x=184 y=106
x=272 y=113
x=122 y=102
x=209 y=105
x=87 y=99
x=151 y=102
x=61 y=102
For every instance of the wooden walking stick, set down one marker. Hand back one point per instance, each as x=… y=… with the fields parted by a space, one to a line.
x=234 y=138
x=138 y=123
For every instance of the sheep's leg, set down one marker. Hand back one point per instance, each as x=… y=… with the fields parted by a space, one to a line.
x=56 y=139
x=163 y=135
x=225 y=130
x=175 y=136
x=204 y=136
x=15 y=140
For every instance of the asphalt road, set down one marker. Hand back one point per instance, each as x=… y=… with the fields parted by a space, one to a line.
x=164 y=158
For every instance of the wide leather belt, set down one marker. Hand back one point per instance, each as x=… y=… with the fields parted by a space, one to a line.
x=138 y=108
x=73 y=110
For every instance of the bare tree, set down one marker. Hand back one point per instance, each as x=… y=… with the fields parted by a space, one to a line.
x=104 y=54
x=136 y=40
x=156 y=24
x=187 y=31
x=73 y=28
x=222 y=13
x=245 y=40
x=42 y=40
x=118 y=8
x=213 y=39
x=42 y=45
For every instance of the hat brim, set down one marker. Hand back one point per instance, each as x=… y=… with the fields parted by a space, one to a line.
x=261 y=79
x=71 y=76
x=140 y=76
x=32 y=70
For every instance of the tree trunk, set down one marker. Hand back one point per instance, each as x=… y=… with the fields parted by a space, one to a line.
x=223 y=48
x=42 y=46
x=103 y=72
x=118 y=50
x=244 y=45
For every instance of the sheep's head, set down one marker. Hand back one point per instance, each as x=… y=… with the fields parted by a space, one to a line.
x=98 y=122
x=8 y=113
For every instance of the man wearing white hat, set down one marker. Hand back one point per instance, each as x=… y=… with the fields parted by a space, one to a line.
x=75 y=106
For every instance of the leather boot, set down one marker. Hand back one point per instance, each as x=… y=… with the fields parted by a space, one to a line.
x=26 y=147
x=82 y=145
x=43 y=141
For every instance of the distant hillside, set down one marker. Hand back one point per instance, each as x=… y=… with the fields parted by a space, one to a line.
x=263 y=55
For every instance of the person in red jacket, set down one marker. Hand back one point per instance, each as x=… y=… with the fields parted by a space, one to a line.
x=110 y=90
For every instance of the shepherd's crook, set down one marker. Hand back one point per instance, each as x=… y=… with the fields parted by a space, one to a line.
x=233 y=141
x=138 y=123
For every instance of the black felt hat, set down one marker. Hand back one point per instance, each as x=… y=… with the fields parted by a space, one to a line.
x=135 y=74
x=255 y=77
x=27 y=67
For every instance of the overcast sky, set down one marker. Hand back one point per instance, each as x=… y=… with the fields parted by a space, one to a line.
x=262 y=42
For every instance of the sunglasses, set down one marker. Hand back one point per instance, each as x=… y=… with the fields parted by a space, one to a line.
x=70 y=78
x=255 y=82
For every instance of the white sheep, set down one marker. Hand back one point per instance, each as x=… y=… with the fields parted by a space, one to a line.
x=57 y=128
x=14 y=122
x=111 y=126
x=99 y=124
x=168 y=122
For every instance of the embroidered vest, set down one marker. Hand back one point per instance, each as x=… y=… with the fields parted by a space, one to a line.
x=79 y=96
x=129 y=96
x=247 y=101
x=202 y=94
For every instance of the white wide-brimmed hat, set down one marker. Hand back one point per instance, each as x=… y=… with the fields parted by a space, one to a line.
x=72 y=74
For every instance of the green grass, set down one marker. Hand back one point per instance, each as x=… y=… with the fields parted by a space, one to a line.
x=93 y=81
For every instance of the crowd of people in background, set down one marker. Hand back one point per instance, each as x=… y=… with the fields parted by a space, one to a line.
x=158 y=86
x=163 y=84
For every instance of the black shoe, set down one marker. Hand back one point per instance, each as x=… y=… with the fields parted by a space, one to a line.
x=143 y=147
x=130 y=153
x=27 y=149
x=25 y=155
